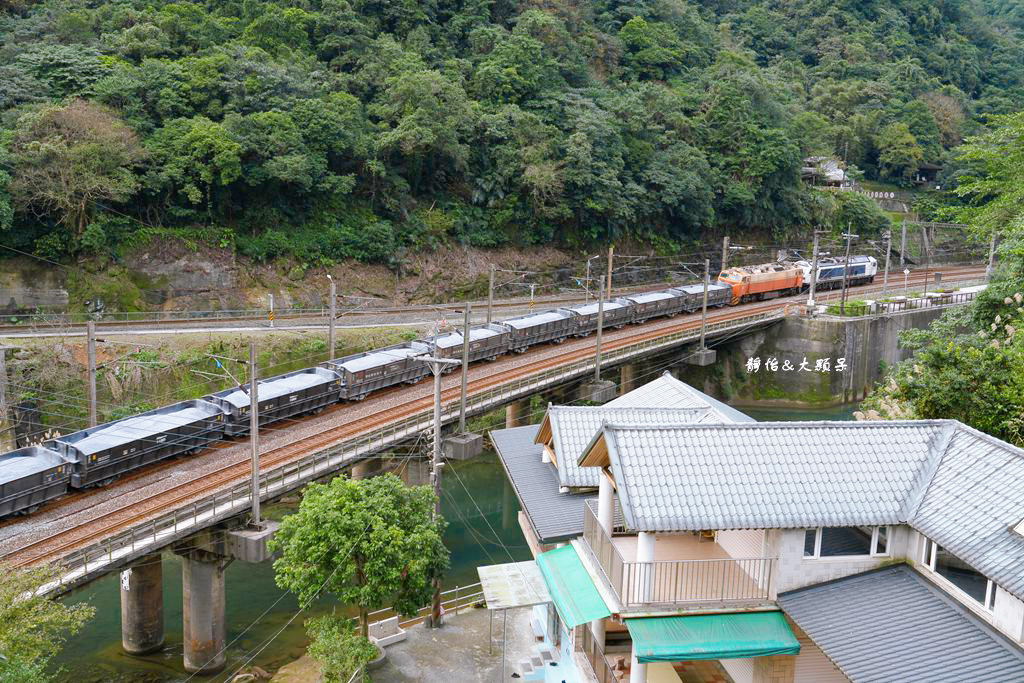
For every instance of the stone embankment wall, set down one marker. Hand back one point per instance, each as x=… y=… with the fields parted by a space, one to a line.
x=867 y=344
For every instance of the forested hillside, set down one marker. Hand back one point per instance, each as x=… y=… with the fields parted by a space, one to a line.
x=332 y=129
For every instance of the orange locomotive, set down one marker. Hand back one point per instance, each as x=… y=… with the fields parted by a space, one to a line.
x=767 y=281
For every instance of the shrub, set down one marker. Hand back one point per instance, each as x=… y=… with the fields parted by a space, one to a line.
x=339 y=650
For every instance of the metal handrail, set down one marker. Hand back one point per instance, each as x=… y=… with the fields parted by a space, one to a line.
x=461 y=600
x=660 y=582
x=171 y=526
x=880 y=307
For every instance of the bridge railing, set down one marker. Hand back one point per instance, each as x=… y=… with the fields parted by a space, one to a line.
x=165 y=529
x=899 y=304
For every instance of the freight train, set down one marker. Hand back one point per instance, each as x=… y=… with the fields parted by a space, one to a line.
x=96 y=456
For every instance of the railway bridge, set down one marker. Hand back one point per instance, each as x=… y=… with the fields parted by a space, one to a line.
x=198 y=507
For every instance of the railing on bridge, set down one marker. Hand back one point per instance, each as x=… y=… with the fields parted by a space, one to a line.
x=677 y=582
x=119 y=549
x=898 y=304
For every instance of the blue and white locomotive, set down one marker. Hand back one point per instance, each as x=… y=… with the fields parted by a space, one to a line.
x=860 y=271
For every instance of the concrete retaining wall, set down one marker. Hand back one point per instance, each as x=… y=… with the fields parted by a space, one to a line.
x=867 y=344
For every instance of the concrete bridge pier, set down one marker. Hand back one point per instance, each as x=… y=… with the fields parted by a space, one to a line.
x=203 y=603
x=415 y=472
x=142 y=606
x=627 y=377
x=597 y=391
x=517 y=413
x=364 y=469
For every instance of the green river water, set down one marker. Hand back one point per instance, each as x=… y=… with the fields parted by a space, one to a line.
x=477 y=501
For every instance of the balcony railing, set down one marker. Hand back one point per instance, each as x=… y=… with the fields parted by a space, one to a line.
x=677 y=582
x=594 y=652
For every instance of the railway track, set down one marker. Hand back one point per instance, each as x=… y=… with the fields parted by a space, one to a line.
x=310 y=316
x=135 y=512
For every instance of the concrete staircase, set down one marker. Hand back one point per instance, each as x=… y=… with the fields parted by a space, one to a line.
x=532 y=669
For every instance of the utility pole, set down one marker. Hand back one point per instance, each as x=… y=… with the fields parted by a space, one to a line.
x=927 y=260
x=465 y=370
x=725 y=252
x=846 y=270
x=437 y=367
x=331 y=334
x=991 y=257
x=3 y=384
x=814 y=272
x=888 y=253
x=611 y=257
x=903 y=244
x=586 y=287
x=271 y=309
x=254 y=435
x=600 y=328
x=90 y=350
x=490 y=295
x=4 y=426
x=532 y=286
x=704 y=305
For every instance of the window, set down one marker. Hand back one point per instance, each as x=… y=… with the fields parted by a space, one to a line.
x=966 y=578
x=811 y=543
x=847 y=541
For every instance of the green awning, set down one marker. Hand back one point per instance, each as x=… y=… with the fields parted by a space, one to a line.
x=571 y=588
x=712 y=636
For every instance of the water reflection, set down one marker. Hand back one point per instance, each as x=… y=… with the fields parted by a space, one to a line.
x=477 y=501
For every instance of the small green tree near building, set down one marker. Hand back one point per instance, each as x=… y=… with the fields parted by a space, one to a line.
x=371 y=542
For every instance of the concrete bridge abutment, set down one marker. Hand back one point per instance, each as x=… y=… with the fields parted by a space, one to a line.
x=142 y=606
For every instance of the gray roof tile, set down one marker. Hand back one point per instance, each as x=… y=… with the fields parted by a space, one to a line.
x=766 y=475
x=961 y=488
x=574 y=427
x=893 y=625
x=554 y=516
x=668 y=392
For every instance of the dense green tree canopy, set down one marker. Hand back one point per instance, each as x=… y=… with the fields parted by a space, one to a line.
x=519 y=122
x=973 y=376
x=371 y=542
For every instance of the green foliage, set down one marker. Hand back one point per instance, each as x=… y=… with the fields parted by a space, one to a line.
x=993 y=183
x=66 y=158
x=339 y=650
x=358 y=128
x=33 y=628
x=370 y=542
x=899 y=154
x=854 y=307
x=974 y=378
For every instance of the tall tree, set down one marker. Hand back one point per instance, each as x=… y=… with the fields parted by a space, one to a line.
x=370 y=542
x=899 y=155
x=68 y=158
x=994 y=181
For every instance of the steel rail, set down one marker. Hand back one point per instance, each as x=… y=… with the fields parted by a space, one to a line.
x=50 y=322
